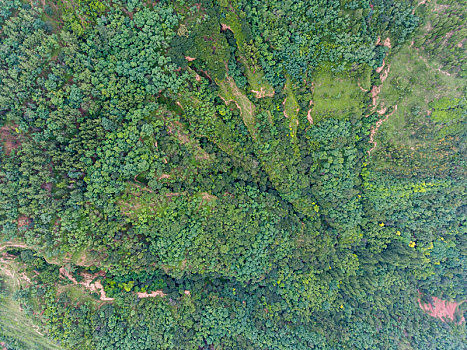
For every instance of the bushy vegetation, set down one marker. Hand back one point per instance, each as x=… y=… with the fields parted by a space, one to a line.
x=232 y=174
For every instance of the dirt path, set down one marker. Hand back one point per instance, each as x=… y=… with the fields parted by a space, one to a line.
x=291 y=108
x=423 y=2
x=87 y=277
x=375 y=91
x=374 y=129
x=12 y=245
x=231 y=93
x=309 y=117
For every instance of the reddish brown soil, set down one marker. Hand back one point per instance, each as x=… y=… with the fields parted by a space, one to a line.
x=23 y=220
x=225 y=27
x=9 y=139
x=12 y=245
x=374 y=94
x=5 y=260
x=441 y=309
x=309 y=117
x=382 y=110
x=364 y=90
x=47 y=186
x=379 y=69
x=385 y=74
x=283 y=104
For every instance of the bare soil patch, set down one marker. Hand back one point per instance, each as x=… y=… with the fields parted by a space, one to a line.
x=375 y=90
x=9 y=139
x=309 y=117
x=6 y=260
x=23 y=220
x=87 y=282
x=157 y=293
x=378 y=70
x=225 y=27
x=262 y=93
x=283 y=104
x=385 y=73
x=387 y=42
x=12 y=245
x=441 y=309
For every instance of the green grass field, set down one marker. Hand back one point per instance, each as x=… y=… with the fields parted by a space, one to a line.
x=15 y=324
x=337 y=96
x=412 y=84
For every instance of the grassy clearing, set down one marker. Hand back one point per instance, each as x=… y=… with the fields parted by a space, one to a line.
x=77 y=294
x=424 y=82
x=18 y=326
x=338 y=96
x=412 y=84
x=418 y=77
x=140 y=203
x=14 y=323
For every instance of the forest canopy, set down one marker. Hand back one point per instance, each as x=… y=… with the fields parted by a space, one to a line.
x=233 y=174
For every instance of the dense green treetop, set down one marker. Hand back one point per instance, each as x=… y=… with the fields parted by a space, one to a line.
x=232 y=174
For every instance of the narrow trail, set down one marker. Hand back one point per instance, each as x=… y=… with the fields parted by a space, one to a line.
x=383 y=72
x=231 y=93
x=87 y=277
x=374 y=129
x=13 y=245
